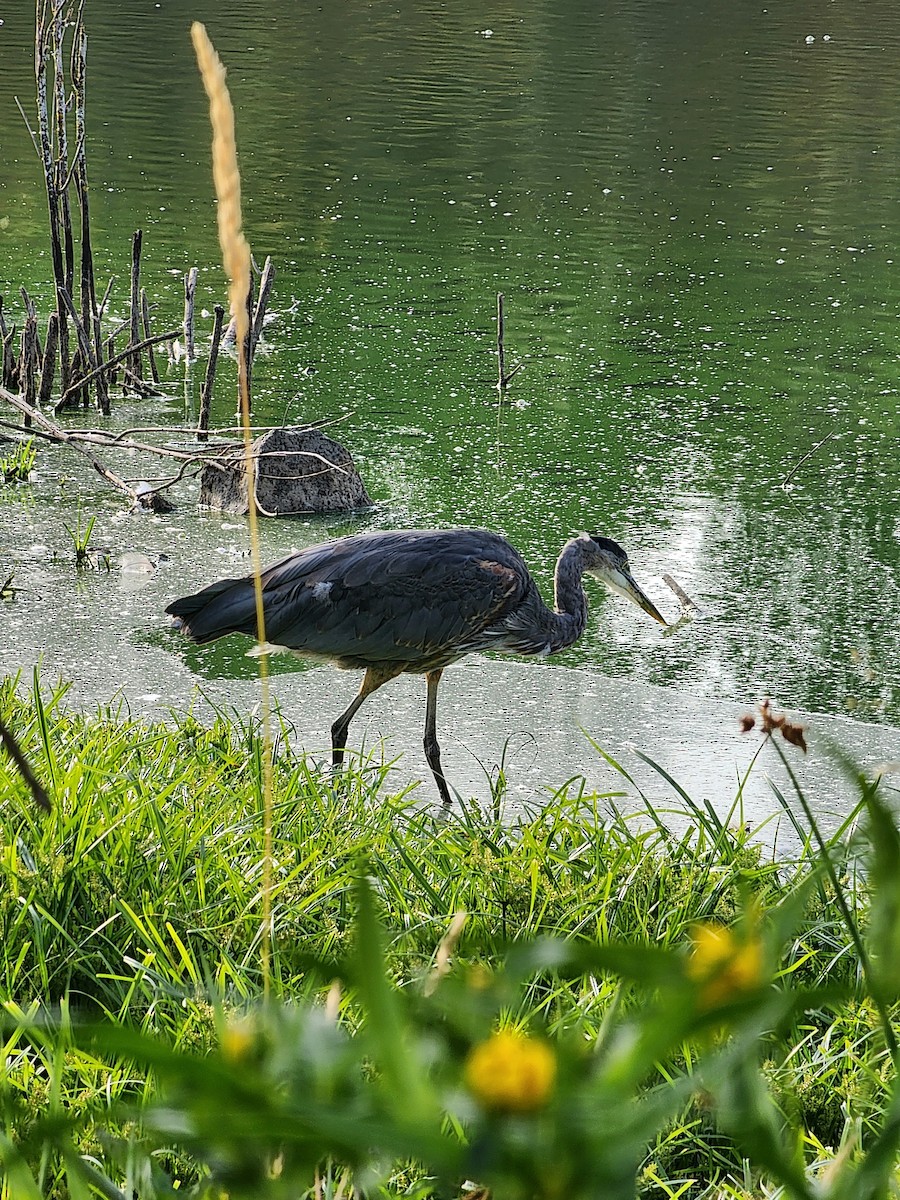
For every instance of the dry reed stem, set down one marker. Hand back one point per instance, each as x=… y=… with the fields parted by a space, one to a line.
x=236 y=258
x=443 y=960
x=226 y=177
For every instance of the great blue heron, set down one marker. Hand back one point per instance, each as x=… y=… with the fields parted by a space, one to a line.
x=414 y=601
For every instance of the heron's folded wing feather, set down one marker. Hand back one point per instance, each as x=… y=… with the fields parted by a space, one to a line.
x=389 y=600
x=398 y=596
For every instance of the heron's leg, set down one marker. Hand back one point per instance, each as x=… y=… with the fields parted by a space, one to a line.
x=432 y=749
x=372 y=681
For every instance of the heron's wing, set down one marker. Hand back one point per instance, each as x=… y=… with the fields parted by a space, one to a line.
x=409 y=596
x=412 y=597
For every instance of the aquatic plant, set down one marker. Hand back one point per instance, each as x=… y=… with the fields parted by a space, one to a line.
x=16 y=466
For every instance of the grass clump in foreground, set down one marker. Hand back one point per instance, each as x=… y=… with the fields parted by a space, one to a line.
x=625 y=1010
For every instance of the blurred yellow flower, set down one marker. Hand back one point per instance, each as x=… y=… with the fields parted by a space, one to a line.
x=511 y=1072
x=237 y=1039
x=724 y=965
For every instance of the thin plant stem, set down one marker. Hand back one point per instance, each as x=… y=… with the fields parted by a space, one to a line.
x=236 y=256
x=841 y=901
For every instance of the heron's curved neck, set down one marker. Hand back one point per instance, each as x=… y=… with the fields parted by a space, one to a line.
x=570 y=600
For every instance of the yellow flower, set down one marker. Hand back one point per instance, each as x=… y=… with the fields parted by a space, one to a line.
x=511 y=1072
x=726 y=966
x=237 y=1039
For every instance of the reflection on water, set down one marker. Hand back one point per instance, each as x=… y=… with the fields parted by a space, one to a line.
x=692 y=215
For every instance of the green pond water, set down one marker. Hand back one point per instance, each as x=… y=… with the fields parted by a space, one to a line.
x=692 y=212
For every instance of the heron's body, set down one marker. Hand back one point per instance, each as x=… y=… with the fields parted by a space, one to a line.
x=410 y=601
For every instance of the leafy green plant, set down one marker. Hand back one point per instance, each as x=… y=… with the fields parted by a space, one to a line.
x=81 y=538
x=17 y=465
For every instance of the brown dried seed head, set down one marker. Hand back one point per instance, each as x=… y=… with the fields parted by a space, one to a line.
x=794 y=734
x=769 y=720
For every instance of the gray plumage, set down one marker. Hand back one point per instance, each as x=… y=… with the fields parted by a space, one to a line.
x=410 y=601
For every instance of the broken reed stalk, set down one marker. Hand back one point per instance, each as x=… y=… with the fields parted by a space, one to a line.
x=133 y=361
x=148 y=337
x=113 y=359
x=7 y=370
x=61 y=161
x=30 y=310
x=206 y=390
x=110 y=358
x=109 y=287
x=262 y=302
x=501 y=355
x=236 y=256
x=258 y=310
x=246 y=357
x=86 y=353
x=90 y=317
x=41 y=55
x=10 y=363
x=190 y=288
x=48 y=366
x=28 y=363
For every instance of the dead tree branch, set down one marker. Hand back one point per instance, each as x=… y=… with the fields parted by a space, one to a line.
x=38 y=793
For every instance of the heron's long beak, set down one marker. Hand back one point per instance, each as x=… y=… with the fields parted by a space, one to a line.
x=623 y=583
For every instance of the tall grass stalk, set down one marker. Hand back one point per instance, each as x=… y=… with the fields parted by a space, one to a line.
x=851 y=924
x=236 y=256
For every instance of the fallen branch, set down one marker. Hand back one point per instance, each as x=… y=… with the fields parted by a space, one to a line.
x=109 y=363
x=41 y=799
x=44 y=426
x=84 y=440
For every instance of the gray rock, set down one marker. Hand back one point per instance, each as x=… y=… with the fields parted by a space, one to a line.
x=298 y=471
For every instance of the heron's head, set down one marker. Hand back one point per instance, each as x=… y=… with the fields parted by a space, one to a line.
x=607 y=561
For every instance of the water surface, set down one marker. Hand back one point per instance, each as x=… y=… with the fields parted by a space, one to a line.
x=692 y=216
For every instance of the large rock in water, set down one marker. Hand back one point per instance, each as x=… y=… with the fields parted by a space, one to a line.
x=297 y=471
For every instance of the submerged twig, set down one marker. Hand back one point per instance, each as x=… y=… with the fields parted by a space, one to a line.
x=807 y=456
x=503 y=378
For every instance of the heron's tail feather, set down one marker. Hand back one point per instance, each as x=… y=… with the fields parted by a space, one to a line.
x=228 y=606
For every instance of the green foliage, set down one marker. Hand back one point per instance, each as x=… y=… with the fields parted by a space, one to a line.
x=139 y=1058
x=17 y=465
x=81 y=538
